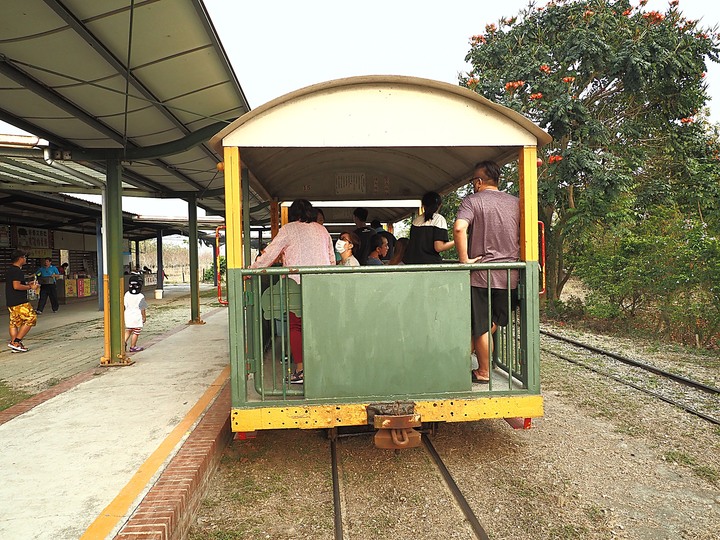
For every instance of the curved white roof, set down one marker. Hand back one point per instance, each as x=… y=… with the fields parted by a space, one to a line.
x=393 y=136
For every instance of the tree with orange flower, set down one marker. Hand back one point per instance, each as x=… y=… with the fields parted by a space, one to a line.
x=621 y=91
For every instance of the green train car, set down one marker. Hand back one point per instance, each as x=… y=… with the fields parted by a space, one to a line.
x=385 y=346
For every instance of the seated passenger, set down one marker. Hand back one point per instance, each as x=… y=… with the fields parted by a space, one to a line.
x=364 y=233
x=301 y=242
x=378 y=249
x=345 y=246
x=400 y=248
x=378 y=228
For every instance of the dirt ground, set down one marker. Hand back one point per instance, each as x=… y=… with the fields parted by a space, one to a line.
x=604 y=462
x=72 y=341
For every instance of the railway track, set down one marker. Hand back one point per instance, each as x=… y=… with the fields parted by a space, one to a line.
x=461 y=502
x=692 y=396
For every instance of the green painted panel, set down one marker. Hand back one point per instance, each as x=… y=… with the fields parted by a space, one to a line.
x=386 y=334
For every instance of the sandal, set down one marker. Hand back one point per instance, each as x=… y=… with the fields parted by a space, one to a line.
x=297 y=378
x=479 y=381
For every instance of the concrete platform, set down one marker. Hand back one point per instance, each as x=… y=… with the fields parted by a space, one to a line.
x=115 y=452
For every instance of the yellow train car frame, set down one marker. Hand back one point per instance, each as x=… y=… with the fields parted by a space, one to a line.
x=368 y=139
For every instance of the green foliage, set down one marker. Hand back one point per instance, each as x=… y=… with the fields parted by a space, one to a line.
x=664 y=268
x=209 y=275
x=572 y=309
x=621 y=91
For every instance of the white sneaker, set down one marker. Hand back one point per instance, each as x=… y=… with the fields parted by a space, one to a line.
x=474 y=361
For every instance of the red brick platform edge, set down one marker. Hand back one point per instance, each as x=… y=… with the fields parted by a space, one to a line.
x=168 y=510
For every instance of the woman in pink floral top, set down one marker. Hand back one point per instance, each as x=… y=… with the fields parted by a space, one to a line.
x=301 y=242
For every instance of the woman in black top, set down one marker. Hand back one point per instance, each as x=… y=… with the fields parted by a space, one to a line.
x=428 y=234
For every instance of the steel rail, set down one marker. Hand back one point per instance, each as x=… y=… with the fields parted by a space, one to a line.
x=455 y=490
x=635 y=386
x=336 y=489
x=636 y=363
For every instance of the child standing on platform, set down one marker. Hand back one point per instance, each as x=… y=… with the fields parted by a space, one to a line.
x=135 y=306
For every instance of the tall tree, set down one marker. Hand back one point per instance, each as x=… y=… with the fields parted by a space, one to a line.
x=619 y=89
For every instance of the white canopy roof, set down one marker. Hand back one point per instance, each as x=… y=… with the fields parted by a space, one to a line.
x=374 y=137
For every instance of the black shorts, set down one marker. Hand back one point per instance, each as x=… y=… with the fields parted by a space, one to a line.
x=499 y=307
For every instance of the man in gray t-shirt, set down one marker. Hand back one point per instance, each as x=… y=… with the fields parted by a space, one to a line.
x=493 y=219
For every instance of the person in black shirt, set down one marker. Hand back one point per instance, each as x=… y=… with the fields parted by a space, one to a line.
x=428 y=234
x=22 y=314
x=364 y=233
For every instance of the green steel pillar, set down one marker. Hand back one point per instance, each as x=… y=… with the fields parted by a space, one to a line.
x=247 y=260
x=160 y=271
x=193 y=246
x=530 y=340
x=245 y=187
x=137 y=255
x=100 y=243
x=113 y=282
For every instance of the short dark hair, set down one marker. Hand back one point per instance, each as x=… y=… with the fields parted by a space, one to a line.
x=361 y=214
x=375 y=224
x=15 y=255
x=491 y=168
x=301 y=210
x=376 y=241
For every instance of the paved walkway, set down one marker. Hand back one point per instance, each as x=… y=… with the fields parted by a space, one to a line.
x=77 y=465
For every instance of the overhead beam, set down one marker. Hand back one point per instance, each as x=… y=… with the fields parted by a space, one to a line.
x=23 y=124
x=151 y=152
x=42 y=175
x=204 y=17
x=120 y=153
x=79 y=27
x=43 y=188
x=51 y=96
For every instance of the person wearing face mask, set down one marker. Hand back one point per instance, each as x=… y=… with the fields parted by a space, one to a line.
x=344 y=246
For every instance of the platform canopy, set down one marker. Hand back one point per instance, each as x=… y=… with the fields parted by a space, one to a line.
x=108 y=74
x=374 y=138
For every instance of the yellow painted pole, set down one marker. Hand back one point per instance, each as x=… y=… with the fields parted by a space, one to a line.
x=233 y=207
x=274 y=218
x=107 y=357
x=528 y=204
x=284 y=215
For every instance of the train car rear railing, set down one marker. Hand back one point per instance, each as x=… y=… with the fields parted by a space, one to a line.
x=507 y=353
x=270 y=294
x=541 y=268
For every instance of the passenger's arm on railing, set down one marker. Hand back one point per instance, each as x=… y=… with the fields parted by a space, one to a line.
x=460 y=235
x=273 y=251
x=441 y=246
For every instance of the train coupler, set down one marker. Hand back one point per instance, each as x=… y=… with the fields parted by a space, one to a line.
x=396 y=432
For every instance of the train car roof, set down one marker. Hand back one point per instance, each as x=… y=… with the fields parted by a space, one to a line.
x=374 y=138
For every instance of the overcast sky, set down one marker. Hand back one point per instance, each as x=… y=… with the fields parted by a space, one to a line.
x=277 y=46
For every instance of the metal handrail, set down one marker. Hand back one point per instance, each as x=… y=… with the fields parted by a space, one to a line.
x=301 y=270
x=542 y=256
